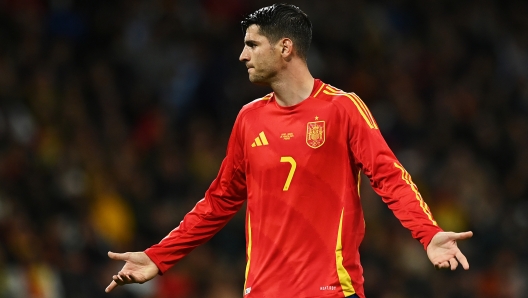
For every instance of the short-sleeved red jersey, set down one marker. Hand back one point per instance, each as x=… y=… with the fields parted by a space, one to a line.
x=299 y=168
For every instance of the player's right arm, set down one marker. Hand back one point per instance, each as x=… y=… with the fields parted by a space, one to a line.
x=222 y=200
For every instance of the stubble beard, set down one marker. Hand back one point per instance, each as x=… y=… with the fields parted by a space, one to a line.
x=263 y=78
x=259 y=80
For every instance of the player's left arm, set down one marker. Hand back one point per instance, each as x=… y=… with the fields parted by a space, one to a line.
x=393 y=183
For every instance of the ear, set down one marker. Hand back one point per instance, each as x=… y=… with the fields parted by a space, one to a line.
x=286 y=46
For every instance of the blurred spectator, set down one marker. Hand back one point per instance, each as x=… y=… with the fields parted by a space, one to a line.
x=114 y=118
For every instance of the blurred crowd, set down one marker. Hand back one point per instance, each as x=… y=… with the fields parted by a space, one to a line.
x=115 y=115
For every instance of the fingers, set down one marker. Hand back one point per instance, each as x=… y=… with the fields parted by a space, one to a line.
x=454 y=263
x=127 y=279
x=462 y=259
x=117 y=256
x=451 y=264
x=442 y=265
x=123 y=278
x=111 y=286
x=120 y=279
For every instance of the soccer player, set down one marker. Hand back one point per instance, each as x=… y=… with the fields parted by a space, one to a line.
x=296 y=156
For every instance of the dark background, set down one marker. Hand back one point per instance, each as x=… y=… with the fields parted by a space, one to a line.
x=114 y=119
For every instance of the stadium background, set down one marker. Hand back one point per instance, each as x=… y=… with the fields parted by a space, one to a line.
x=114 y=118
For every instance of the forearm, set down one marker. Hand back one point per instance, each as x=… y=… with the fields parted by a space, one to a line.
x=401 y=195
x=198 y=226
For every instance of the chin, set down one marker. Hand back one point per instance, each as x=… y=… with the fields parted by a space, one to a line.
x=258 y=80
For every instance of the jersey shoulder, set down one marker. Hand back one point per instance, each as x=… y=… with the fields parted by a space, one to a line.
x=255 y=104
x=333 y=94
x=350 y=102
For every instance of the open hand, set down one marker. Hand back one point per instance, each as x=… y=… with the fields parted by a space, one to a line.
x=138 y=268
x=444 y=252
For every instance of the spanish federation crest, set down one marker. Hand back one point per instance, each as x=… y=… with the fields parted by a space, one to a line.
x=315 y=134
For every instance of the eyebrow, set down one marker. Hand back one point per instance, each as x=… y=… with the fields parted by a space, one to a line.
x=250 y=42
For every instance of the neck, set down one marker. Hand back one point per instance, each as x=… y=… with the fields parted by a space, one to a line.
x=294 y=85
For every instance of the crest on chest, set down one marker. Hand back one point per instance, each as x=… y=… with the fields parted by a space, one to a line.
x=315 y=134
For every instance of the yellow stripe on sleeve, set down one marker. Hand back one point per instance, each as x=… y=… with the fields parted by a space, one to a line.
x=361 y=110
x=365 y=108
x=407 y=178
x=334 y=89
x=359 y=105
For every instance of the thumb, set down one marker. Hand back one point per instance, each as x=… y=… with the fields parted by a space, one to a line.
x=462 y=235
x=118 y=256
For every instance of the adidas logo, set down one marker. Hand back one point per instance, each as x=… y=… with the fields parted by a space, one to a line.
x=260 y=140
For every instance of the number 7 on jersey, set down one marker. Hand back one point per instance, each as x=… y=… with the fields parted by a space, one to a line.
x=292 y=170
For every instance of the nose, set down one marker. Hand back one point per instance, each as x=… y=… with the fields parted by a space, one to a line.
x=244 y=56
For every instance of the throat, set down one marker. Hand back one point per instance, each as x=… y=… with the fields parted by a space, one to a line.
x=290 y=95
x=289 y=102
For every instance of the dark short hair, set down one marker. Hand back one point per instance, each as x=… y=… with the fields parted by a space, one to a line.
x=282 y=20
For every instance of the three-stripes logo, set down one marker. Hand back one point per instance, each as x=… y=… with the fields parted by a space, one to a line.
x=260 y=140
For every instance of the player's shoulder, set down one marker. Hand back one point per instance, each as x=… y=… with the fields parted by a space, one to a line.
x=256 y=104
x=350 y=103
x=338 y=97
x=334 y=94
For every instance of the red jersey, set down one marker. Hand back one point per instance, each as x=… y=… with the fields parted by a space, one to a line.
x=299 y=169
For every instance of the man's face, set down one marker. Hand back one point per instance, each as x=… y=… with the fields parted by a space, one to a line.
x=262 y=59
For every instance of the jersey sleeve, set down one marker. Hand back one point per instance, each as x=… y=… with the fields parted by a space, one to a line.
x=222 y=200
x=388 y=177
